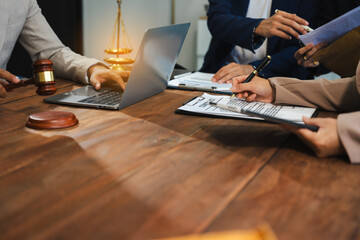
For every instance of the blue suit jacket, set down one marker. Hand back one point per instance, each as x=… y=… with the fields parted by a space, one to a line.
x=229 y=27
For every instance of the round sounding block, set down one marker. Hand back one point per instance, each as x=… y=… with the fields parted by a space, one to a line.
x=51 y=120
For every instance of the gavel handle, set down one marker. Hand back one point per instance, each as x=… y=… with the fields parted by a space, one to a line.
x=22 y=83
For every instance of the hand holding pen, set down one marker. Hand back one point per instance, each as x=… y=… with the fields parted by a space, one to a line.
x=282 y=24
x=256 y=71
x=259 y=89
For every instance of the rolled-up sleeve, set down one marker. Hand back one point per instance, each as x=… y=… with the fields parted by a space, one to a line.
x=41 y=42
x=332 y=95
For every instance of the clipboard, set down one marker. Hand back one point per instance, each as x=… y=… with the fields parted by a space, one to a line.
x=199 y=106
x=198 y=81
x=334 y=29
x=342 y=56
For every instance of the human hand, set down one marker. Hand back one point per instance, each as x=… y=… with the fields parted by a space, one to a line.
x=99 y=74
x=281 y=24
x=5 y=78
x=258 y=89
x=304 y=55
x=325 y=142
x=228 y=72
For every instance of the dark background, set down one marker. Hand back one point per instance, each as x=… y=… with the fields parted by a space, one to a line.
x=65 y=18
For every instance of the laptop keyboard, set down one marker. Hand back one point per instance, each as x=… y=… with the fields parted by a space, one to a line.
x=107 y=98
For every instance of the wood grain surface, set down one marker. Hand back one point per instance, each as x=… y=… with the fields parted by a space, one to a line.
x=145 y=172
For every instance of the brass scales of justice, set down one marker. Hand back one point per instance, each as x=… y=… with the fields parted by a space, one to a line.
x=119 y=49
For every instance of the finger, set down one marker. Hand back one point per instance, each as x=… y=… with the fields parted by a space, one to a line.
x=238 y=79
x=251 y=98
x=125 y=74
x=2 y=92
x=234 y=83
x=300 y=55
x=315 y=64
x=239 y=87
x=8 y=76
x=302 y=51
x=313 y=121
x=306 y=135
x=319 y=122
x=311 y=52
x=3 y=82
x=289 y=28
x=227 y=73
x=242 y=95
x=246 y=87
x=293 y=25
x=281 y=34
x=119 y=80
x=311 y=64
x=95 y=83
x=228 y=78
x=294 y=17
x=245 y=94
x=220 y=74
x=225 y=78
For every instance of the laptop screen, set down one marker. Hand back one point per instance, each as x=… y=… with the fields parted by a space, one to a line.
x=154 y=63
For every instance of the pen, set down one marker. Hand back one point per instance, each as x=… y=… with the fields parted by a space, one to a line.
x=307 y=28
x=256 y=71
x=196 y=87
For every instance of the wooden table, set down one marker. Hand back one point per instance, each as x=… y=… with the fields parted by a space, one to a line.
x=145 y=172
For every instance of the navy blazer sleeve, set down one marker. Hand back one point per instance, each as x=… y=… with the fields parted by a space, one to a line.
x=282 y=51
x=229 y=27
x=226 y=22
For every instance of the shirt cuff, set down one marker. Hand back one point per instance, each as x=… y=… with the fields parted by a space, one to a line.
x=257 y=40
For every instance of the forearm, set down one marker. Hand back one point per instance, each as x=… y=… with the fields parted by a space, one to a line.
x=332 y=95
x=41 y=42
x=69 y=65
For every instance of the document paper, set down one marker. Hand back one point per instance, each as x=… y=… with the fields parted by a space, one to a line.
x=199 y=81
x=333 y=30
x=200 y=105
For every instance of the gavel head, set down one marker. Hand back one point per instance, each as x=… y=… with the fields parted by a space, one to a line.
x=44 y=77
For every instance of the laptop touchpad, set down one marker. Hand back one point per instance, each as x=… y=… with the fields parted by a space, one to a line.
x=84 y=91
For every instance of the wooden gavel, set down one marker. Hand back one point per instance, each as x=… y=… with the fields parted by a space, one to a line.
x=43 y=78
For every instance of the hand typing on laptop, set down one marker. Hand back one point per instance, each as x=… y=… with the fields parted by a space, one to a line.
x=99 y=74
x=148 y=77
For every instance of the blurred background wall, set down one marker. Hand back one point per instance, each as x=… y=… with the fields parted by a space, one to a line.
x=86 y=27
x=65 y=17
x=138 y=15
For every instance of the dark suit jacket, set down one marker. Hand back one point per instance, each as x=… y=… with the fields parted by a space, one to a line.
x=229 y=27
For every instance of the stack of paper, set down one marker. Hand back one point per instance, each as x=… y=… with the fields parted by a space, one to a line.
x=330 y=32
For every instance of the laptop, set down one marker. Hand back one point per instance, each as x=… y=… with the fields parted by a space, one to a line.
x=151 y=72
